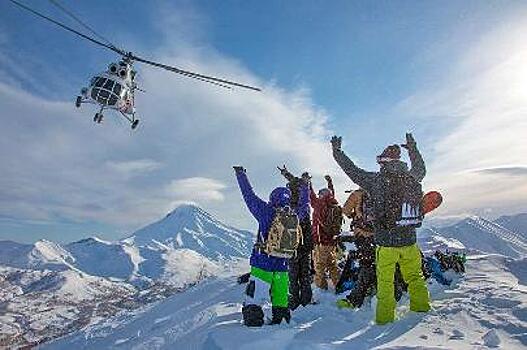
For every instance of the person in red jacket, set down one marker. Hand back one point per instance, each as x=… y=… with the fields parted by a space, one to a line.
x=327 y=221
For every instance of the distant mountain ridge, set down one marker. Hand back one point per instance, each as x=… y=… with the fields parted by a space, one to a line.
x=144 y=255
x=505 y=235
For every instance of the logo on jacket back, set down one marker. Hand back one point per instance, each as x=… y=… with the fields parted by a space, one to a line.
x=410 y=215
x=400 y=203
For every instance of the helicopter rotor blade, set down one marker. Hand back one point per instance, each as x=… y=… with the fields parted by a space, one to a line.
x=72 y=15
x=198 y=76
x=209 y=79
x=65 y=27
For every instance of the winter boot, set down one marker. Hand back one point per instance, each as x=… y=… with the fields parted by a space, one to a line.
x=244 y=278
x=306 y=295
x=279 y=314
x=293 y=303
x=253 y=315
x=344 y=304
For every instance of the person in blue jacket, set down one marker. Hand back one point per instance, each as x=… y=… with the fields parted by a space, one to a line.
x=269 y=275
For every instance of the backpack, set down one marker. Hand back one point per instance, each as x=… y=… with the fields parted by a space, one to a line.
x=361 y=214
x=332 y=221
x=400 y=202
x=284 y=234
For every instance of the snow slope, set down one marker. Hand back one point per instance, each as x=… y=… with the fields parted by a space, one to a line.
x=479 y=234
x=101 y=258
x=516 y=223
x=36 y=305
x=476 y=313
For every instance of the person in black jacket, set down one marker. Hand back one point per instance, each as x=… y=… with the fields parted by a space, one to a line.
x=300 y=292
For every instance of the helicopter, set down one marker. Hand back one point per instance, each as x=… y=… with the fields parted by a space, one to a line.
x=114 y=89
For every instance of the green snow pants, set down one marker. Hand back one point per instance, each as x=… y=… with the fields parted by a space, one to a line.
x=409 y=259
x=264 y=284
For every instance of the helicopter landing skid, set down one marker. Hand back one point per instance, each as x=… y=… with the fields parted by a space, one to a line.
x=99 y=116
x=133 y=121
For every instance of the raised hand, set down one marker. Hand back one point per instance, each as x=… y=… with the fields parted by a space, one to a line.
x=306 y=177
x=410 y=141
x=238 y=169
x=282 y=170
x=328 y=178
x=336 y=143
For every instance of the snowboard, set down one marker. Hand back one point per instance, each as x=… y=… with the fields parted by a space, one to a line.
x=431 y=201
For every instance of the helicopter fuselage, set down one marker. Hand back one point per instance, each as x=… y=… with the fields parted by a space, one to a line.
x=113 y=89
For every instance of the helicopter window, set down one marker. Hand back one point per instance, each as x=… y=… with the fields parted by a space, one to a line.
x=100 y=81
x=108 y=84
x=104 y=94
x=117 y=89
x=113 y=100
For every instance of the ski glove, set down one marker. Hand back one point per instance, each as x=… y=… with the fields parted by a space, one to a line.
x=336 y=143
x=410 y=141
x=238 y=169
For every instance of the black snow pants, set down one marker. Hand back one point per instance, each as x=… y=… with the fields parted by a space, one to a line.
x=365 y=282
x=300 y=292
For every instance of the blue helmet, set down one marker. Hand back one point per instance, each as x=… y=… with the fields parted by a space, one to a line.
x=280 y=197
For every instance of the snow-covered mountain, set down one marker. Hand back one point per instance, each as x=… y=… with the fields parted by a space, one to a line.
x=479 y=234
x=48 y=290
x=148 y=254
x=41 y=255
x=516 y=223
x=476 y=312
x=189 y=226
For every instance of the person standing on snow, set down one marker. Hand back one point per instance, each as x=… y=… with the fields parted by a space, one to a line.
x=327 y=223
x=300 y=292
x=396 y=193
x=269 y=274
x=356 y=209
x=359 y=208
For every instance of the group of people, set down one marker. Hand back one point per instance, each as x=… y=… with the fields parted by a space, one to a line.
x=300 y=230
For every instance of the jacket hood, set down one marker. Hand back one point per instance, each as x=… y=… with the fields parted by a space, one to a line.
x=280 y=197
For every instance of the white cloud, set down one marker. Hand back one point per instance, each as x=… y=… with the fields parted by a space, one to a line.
x=486 y=100
x=197 y=189
x=134 y=167
x=60 y=165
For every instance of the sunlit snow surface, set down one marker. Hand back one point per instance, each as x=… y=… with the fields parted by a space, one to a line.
x=141 y=293
x=486 y=308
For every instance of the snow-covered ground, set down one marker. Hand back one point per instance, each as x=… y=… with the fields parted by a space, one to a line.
x=143 y=292
x=48 y=290
x=485 y=309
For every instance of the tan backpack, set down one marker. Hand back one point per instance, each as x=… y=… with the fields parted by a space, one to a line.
x=285 y=234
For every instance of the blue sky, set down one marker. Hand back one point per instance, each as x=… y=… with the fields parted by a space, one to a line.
x=369 y=71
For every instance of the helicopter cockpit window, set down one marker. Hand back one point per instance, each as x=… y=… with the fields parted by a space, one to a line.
x=106 y=91
x=108 y=85
x=113 y=100
x=100 y=81
x=117 y=89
